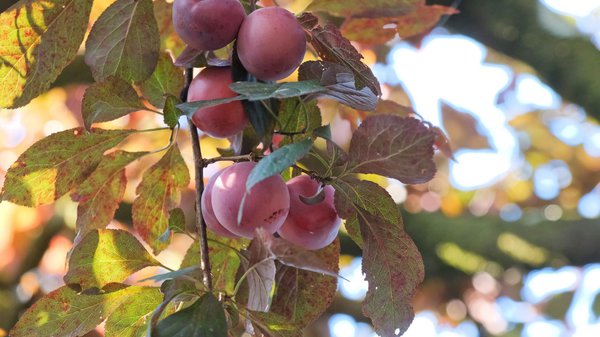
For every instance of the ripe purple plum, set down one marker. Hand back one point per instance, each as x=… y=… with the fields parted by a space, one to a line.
x=266 y=205
x=220 y=121
x=310 y=226
x=271 y=43
x=207 y=209
x=207 y=24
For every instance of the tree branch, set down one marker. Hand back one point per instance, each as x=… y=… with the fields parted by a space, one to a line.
x=199 y=169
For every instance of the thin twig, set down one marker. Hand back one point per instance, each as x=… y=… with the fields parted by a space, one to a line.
x=235 y=159
x=199 y=168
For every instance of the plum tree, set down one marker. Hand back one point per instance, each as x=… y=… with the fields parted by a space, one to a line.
x=207 y=209
x=271 y=43
x=266 y=205
x=219 y=121
x=310 y=226
x=207 y=24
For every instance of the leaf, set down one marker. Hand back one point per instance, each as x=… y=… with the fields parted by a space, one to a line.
x=169 y=40
x=106 y=256
x=166 y=79
x=131 y=319
x=100 y=194
x=302 y=296
x=224 y=261
x=56 y=164
x=65 y=313
x=39 y=39
x=109 y=100
x=278 y=161
x=299 y=118
x=390 y=107
x=333 y=47
x=206 y=317
x=124 y=42
x=171 y=113
x=395 y=147
x=191 y=58
x=464 y=130
x=391 y=261
x=442 y=143
x=253 y=91
x=172 y=274
x=339 y=83
x=158 y=193
x=177 y=220
x=382 y=29
x=364 y=8
x=260 y=269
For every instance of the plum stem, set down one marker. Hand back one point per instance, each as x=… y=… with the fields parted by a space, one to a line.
x=199 y=181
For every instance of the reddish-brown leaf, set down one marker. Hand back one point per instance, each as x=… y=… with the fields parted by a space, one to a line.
x=395 y=147
x=364 y=8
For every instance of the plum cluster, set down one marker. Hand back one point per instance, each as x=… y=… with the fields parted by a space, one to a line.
x=271 y=204
x=270 y=44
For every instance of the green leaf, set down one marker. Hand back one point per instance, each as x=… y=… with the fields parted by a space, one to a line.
x=66 y=313
x=56 y=164
x=362 y=8
x=331 y=46
x=395 y=147
x=131 y=319
x=169 y=40
x=391 y=261
x=39 y=39
x=172 y=274
x=106 y=256
x=166 y=79
x=158 y=193
x=100 y=194
x=206 y=317
x=109 y=100
x=170 y=112
x=302 y=296
x=299 y=117
x=224 y=261
x=177 y=220
x=124 y=42
x=253 y=91
x=278 y=161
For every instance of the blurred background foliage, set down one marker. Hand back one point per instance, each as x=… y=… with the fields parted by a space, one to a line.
x=508 y=230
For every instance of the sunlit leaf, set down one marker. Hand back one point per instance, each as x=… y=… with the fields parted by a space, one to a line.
x=39 y=39
x=108 y=100
x=124 y=42
x=169 y=40
x=171 y=113
x=66 y=313
x=177 y=220
x=278 y=161
x=158 y=193
x=391 y=261
x=100 y=194
x=166 y=79
x=56 y=164
x=463 y=129
x=260 y=278
x=206 y=317
x=364 y=8
x=395 y=147
x=106 y=256
x=131 y=319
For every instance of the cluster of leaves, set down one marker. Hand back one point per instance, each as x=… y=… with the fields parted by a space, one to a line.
x=265 y=286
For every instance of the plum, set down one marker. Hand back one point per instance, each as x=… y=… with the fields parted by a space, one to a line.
x=310 y=226
x=220 y=121
x=207 y=210
x=271 y=43
x=266 y=205
x=207 y=24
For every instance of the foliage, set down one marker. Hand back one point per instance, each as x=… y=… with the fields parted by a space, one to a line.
x=266 y=286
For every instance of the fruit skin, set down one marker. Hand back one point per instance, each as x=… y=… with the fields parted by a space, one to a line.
x=207 y=24
x=271 y=43
x=207 y=210
x=267 y=205
x=310 y=226
x=220 y=121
